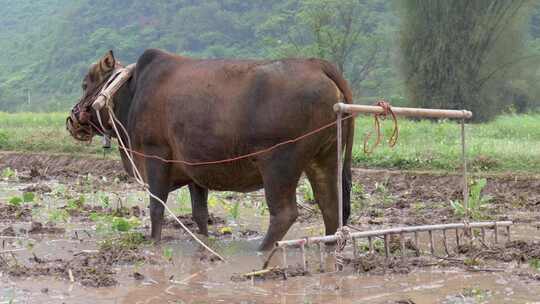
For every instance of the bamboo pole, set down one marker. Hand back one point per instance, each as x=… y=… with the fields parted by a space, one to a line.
x=408 y=112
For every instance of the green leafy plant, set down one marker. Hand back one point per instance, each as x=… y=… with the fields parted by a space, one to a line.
x=233 y=209
x=126 y=241
x=168 y=253
x=15 y=201
x=59 y=215
x=76 y=203
x=184 y=201
x=378 y=246
x=28 y=197
x=535 y=263
x=124 y=225
x=477 y=202
x=110 y=224
x=307 y=192
x=8 y=174
x=105 y=200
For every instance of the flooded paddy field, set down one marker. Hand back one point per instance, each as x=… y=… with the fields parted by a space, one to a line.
x=75 y=231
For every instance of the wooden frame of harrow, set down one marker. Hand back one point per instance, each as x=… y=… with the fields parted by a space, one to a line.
x=342 y=109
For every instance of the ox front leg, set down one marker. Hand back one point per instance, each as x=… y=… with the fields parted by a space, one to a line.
x=199 y=207
x=158 y=181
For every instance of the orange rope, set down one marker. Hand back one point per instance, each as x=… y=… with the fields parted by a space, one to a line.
x=188 y=163
x=377 y=117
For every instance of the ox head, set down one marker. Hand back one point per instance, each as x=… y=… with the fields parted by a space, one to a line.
x=82 y=122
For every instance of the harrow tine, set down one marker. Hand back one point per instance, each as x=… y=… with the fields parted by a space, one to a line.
x=402 y=243
x=321 y=256
x=284 y=252
x=483 y=234
x=431 y=242
x=460 y=229
x=386 y=246
x=416 y=243
x=303 y=251
x=457 y=237
x=445 y=240
x=496 y=233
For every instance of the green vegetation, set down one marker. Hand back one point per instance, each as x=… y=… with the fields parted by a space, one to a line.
x=535 y=264
x=472 y=55
x=476 y=204
x=44 y=132
x=48 y=46
x=509 y=143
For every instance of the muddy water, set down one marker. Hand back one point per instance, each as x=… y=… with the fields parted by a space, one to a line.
x=188 y=278
x=193 y=282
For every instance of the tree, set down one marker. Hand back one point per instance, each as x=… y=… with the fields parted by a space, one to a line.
x=458 y=54
x=353 y=34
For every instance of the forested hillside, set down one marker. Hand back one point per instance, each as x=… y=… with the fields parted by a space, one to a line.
x=48 y=45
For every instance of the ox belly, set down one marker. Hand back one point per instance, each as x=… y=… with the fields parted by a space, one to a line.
x=237 y=176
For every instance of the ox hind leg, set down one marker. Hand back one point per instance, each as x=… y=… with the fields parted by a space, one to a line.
x=323 y=179
x=280 y=178
x=199 y=207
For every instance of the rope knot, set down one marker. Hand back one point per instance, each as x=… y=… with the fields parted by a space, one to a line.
x=343 y=235
x=387 y=111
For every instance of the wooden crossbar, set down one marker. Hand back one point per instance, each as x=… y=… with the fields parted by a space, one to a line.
x=408 y=112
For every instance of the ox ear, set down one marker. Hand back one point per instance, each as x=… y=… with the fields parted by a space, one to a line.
x=107 y=63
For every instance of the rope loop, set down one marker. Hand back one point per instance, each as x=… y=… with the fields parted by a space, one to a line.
x=387 y=111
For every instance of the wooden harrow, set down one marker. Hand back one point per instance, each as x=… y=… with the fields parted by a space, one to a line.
x=370 y=235
x=344 y=234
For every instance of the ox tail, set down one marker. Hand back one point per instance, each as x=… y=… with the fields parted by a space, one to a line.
x=348 y=133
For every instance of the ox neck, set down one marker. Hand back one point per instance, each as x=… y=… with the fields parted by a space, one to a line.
x=122 y=102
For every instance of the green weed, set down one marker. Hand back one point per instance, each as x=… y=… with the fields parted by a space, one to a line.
x=183 y=200
x=378 y=246
x=107 y=224
x=17 y=201
x=535 y=264
x=125 y=241
x=8 y=174
x=76 y=203
x=232 y=209
x=307 y=192
x=477 y=202
x=59 y=215
x=168 y=253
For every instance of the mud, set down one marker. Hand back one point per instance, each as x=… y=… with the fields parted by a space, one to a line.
x=39 y=228
x=409 y=198
x=274 y=273
x=46 y=258
x=35 y=166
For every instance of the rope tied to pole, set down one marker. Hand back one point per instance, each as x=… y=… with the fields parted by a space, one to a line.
x=377 y=122
x=343 y=235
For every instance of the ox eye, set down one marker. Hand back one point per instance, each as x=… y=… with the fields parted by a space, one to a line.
x=84 y=86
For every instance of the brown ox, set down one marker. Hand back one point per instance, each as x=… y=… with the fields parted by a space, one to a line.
x=196 y=110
